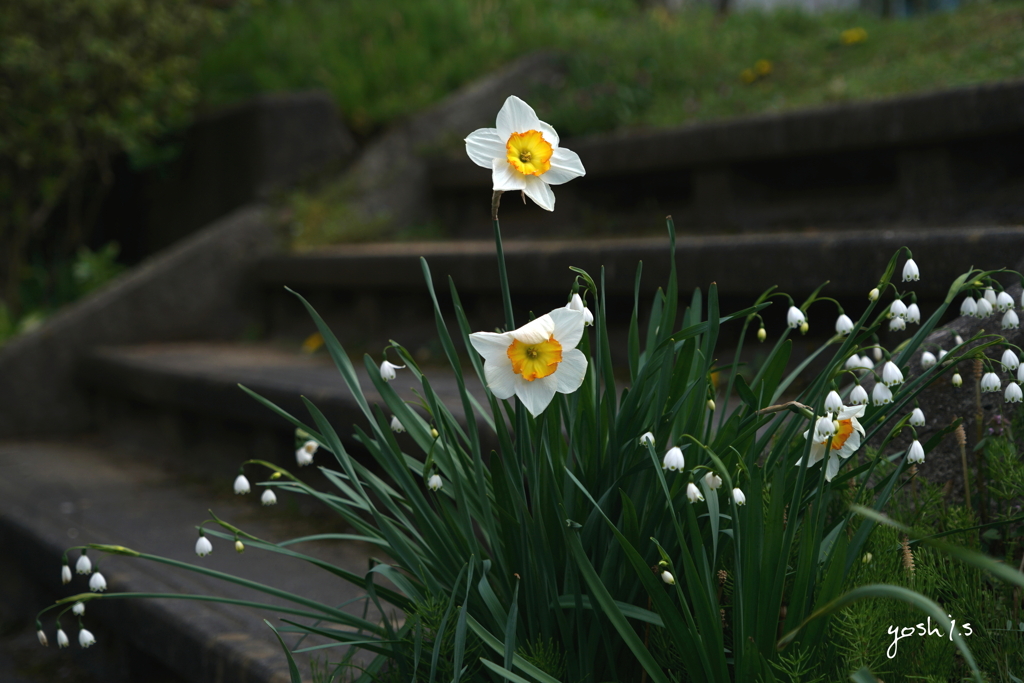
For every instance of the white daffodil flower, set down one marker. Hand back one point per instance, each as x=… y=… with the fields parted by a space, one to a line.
x=915 y=453
x=536 y=360
x=647 y=439
x=845 y=441
x=712 y=480
x=859 y=396
x=833 y=402
x=891 y=374
x=990 y=382
x=387 y=370
x=693 y=493
x=62 y=638
x=97 y=584
x=1010 y=360
x=913 y=314
x=435 y=483
x=84 y=564
x=269 y=497
x=1004 y=302
x=1010 y=320
x=910 y=271
x=969 y=307
x=203 y=546
x=304 y=456
x=881 y=394
x=1013 y=393
x=984 y=308
x=917 y=418
x=673 y=460
x=738 y=497
x=897 y=309
x=577 y=305
x=241 y=484
x=928 y=359
x=523 y=154
x=85 y=639
x=844 y=325
x=795 y=317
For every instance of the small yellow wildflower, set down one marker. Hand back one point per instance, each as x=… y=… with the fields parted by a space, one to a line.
x=748 y=76
x=762 y=67
x=853 y=36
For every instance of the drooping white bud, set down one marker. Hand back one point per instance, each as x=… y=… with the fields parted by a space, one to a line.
x=795 y=317
x=917 y=418
x=927 y=360
x=897 y=309
x=203 y=546
x=910 y=271
x=891 y=374
x=1013 y=393
x=859 y=396
x=844 y=325
x=712 y=480
x=990 y=382
x=673 y=460
x=833 y=402
x=1010 y=360
x=693 y=493
x=969 y=307
x=915 y=453
x=387 y=371
x=881 y=395
x=913 y=314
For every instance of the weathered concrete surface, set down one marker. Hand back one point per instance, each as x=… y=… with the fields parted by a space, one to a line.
x=389 y=185
x=195 y=290
x=938 y=158
x=57 y=495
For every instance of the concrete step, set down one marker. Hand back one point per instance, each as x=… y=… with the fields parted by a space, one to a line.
x=182 y=401
x=60 y=494
x=370 y=293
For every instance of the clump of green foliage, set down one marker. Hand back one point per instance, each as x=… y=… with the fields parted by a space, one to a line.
x=626 y=66
x=81 y=81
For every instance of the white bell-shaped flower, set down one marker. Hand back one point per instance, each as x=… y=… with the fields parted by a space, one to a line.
x=844 y=325
x=881 y=394
x=242 y=484
x=84 y=564
x=897 y=324
x=435 y=483
x=969 y=307
x=712 y=480
x=957 y=380
x=891 y=374
x=915 y=454
x=989 y=295
x=673 y=460
x=859 y=396
x=1020 y=373
x=1010 y=360
x=795 y=317
x=852 y=363
x=576 y=304
x=1010 y=320
x=990 y=382
x=647 y=439
x=62 y=638
x=78 y=609
x=203 y=546
x=85 y=638
x=304 y=455
x=667 y=577
x=833 y=402
x=984 y=308
x=917 y=418
x=1013 y=393
x=396 y=426
x=897 y=309
x=387 y=370
x=1004 y=302
x=942 y=353
x=65 y=574
x=41 y=635
x=269 y=497
x=97 y=584
x=913 y=314
x=824 y=428
x=693 y=493
x=927 y=360
x=877 y=353
x=910 y=271
x=738 y=497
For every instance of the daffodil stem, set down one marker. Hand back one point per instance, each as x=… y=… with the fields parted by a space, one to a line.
x=506 y=298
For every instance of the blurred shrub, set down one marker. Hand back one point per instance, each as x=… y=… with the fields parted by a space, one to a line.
x=80 y=81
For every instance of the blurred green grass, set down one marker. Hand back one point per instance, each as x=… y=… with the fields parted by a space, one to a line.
x=627 y=67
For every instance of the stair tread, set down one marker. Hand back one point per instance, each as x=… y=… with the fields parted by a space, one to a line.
x=741 y=264
x=59 y=494
x=203 y=376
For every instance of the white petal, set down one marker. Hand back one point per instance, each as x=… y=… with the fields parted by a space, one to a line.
x=505 y=177
x=484 y=146
x=568 y=328
x=537 y=330
x=850 y=447
x=833 y=467
x=851 y=412
x=548 y=131
x=571 y=371
x=501 y=379
x=491 y=345
x=539 y=192
x=536 y=395
x=516 y=116
x=565 y=165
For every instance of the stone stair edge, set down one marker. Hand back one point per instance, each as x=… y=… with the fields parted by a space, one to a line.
x=741 y=264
